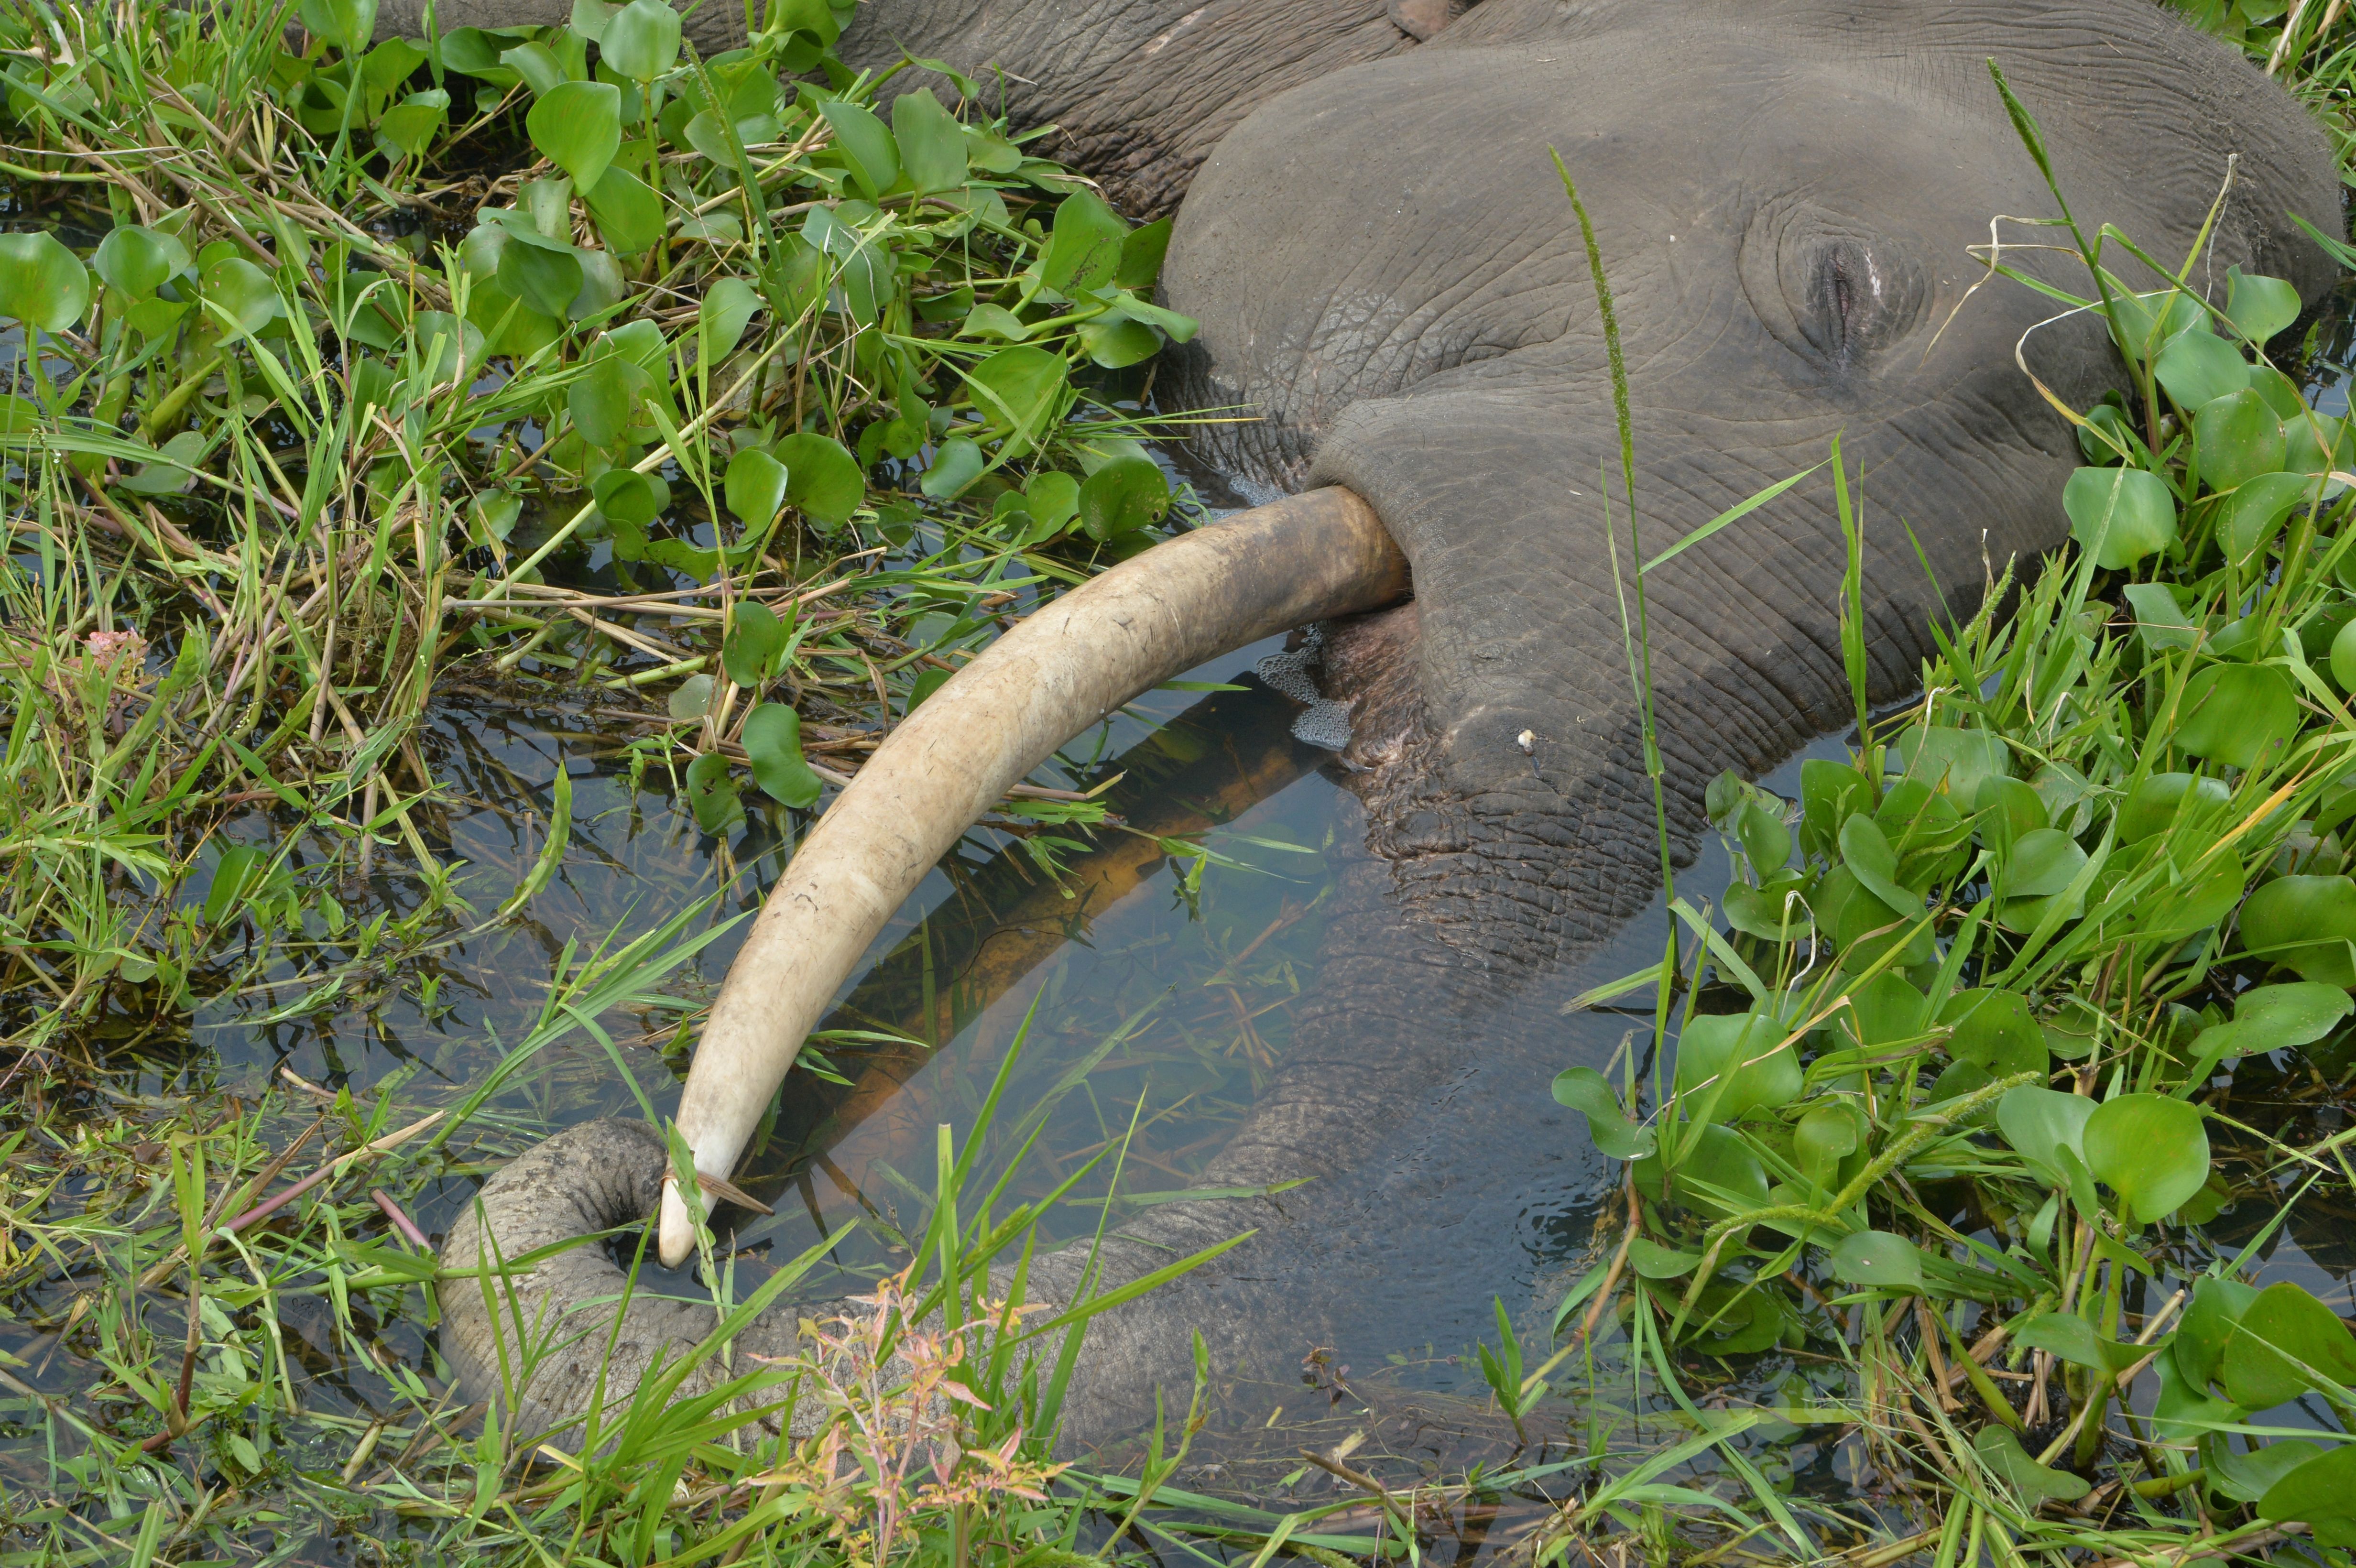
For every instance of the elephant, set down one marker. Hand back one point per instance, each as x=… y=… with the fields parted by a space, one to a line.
x=1793 y=203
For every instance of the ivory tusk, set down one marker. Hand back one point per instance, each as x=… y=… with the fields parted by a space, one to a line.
x=1303 y=559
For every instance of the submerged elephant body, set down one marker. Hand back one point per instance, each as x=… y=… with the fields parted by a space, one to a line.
x=1379 y=251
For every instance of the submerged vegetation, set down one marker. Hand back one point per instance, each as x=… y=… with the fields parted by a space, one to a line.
x=700 y=402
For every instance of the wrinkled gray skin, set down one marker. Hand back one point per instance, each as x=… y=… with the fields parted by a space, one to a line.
x=1383 y=264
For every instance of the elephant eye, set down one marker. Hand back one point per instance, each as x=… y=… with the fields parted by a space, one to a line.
x=1828 y=286
x=1849 y=301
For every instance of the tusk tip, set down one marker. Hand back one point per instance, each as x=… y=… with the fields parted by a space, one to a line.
x=675 y=1238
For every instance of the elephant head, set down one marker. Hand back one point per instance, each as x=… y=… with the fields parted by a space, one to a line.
x=1787 y=199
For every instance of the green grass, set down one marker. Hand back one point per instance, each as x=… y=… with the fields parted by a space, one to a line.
x=382 y=387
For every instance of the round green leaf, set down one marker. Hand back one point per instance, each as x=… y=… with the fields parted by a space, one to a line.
x=2119 y=515
x=1719 y=1174
x=2284 y=1343
x=1021 y=390
x=2152 y=1150
x=2306 y=924
x=932 y=144
x=641 y=40
x=1994 y=1030
x=1116 y=342
x=577 y=126
x=1878 y=1259
x=629 y=214
x=2040 y=1123
x=444 y=342
x=1052 y=499
x=347 y=24
x=2001 y=1451
x=821 y=478
x=244 y=291
x=867 y=146
x=407 y=127
x=1584 y=1090
x=957 y=463
x=2343 y=656
x=690 y=698
x=2321 y=1494
x=1955 y=762
x=42 y=283
x=1739 y=1058
x=2249 y=517
x=728 y=307
x=2237 y=439
x=1124 y=496
x=2261 y=306
x=626 y=497
x=756 y=488
x=137 y=261
x=2200 y=367
x=2238 y=714
x=2158 y=803
x=543 y=277
x=773 y=739
x=2298 y=1014
x=602 y=399
x=756 y=639
x=1083 y=248
x=712 y=794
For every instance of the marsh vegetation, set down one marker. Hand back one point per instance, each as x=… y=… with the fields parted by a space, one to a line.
x=471 y=501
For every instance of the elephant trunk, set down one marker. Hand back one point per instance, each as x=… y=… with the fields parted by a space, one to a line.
x=1069 y=665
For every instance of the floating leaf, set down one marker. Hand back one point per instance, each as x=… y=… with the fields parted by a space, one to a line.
x=2270 y=1017
x=2001 y=1451
x=1826 y=1136
x=628 y=497
x=867 y=146
x=932 y=144
x=773 y=739
x=629 y=214
x=821 y=478
x=1735 y=1062
x=1584 y=1090
x=756 y=488
x=1878 y=1259
x=641 y=40
x=1653 y=1261
x=1083 y=248
x=1865 y=851
x=2247 y=522
x=545 y=277
x=2320 y=1493
x=1140 y=255
x=757 y=641
x=1994 y=1030
x=2238 y=714
x=1124 y=496
x=957 y=463
x=2284 y=1343
x=137 y=261
x=42 y=283
x=2261 y=306
x=2073 y=1339
x=2158 y=803
x=712 y=794
x=728 y=307
x=2151 y=1149
x=604 y=399
x=2305 y=924
x=577 y=126
x=1021 y=390
x=244 y=291
x=2040 y=1123
x=347 y=24
x=2119 y=515
x=2237 y=439
x=2200 y=367
x=1955 y=762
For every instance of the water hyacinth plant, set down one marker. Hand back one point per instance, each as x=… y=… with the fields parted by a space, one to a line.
x=1985 y=973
